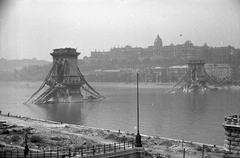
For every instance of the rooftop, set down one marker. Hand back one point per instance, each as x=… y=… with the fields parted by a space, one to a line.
x=65 y=52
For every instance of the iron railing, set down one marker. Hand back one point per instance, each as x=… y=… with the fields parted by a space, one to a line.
x=68 y=152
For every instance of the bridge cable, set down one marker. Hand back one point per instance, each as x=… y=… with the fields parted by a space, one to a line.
x=179 y=81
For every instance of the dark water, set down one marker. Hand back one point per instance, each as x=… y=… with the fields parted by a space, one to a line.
x=192 y=116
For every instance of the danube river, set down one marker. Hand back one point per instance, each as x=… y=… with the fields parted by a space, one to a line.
x=190 y=116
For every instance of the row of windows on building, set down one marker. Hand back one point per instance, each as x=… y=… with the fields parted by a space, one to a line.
x=171 y=74
x=157 y=51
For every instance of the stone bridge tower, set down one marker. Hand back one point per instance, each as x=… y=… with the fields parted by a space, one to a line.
x=65 y=72
x=65 y=80
x=197 y=69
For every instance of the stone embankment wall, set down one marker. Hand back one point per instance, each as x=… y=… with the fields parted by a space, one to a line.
x=232 y=133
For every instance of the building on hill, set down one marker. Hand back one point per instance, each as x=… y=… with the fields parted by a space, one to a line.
x=222 y=54
x=129 y=52
x=182 y=51
x=101 y=55
x=158 y=43
x=186 y=51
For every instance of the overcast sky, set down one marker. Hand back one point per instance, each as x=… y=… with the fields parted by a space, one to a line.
x=33 y=28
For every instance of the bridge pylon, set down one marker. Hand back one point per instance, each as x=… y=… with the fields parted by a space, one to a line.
x=65 y=80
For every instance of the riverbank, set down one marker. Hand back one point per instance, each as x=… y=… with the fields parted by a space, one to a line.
x=151 y=85
x=36 y=85
x=45 y=135
x=133 y=84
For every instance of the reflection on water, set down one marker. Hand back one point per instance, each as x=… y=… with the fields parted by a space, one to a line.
x=74 y=113
x=196 y=103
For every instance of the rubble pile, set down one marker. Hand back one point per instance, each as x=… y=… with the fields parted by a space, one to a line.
x=41 y=139
x=44 y=135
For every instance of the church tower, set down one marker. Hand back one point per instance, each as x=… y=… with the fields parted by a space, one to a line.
x=158 y=43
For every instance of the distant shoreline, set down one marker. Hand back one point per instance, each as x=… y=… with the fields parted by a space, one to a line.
x=132 y=84
x=103 y=84
x=116 y=84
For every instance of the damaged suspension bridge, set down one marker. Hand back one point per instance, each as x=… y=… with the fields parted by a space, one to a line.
x=195 y=78
x=66 y=82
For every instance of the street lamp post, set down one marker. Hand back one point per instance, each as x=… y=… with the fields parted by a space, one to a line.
x=26 y=149
x=138 y=142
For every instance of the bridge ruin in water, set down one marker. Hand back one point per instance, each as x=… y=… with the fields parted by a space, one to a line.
x=65 y=80
x=195 y=78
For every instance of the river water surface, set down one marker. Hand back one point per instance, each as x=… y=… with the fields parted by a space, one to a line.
x=190 y=116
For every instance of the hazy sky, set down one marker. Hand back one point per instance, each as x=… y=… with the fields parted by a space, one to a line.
x=33 y=28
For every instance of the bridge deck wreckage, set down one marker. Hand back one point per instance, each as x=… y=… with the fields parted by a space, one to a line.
x=65 y=80
x=196 y=78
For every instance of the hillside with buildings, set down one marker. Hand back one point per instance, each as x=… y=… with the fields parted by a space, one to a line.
x=186 y=51
x=11 y=65
x=22 y=70
x=160 y=63
x=157 y=63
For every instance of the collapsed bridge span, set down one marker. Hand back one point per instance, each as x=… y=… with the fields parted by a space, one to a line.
x=65 y=80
